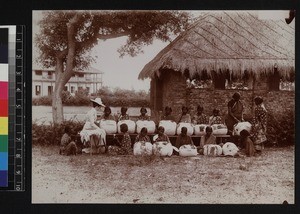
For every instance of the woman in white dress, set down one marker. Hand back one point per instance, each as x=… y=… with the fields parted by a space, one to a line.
x=90 y=128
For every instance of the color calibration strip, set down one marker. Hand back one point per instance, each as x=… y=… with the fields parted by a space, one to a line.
x=12 y=124
x=4 y=107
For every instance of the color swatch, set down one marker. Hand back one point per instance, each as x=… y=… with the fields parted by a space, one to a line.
x=4 y=107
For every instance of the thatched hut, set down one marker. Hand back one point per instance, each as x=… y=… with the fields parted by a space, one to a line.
x=222 y=48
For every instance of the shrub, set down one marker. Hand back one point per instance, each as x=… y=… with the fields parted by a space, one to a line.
x=51 y=134
x=281 y=129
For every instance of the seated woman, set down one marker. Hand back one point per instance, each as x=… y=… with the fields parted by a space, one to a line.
x=142 y=136
x=123 y=147
x=107 y=114
x=90 y=127
x=143 y=115
x=124 y=115
x=208 y=138
x=161 y=136
x=167 y=115
x=185 y=117
x=215 y=118
x=183 y=138
x=200 y=118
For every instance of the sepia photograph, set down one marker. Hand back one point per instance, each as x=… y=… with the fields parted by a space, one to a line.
x=163 y=106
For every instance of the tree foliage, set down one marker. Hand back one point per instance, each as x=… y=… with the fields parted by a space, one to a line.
x=67 y=37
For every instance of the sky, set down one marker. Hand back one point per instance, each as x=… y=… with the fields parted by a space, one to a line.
x=123 y=72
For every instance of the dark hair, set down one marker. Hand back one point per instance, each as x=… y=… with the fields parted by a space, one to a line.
x=168 y=108
x=183 y=128
x=258 y=100
x=144 y=129
x=143 y=108
x=236 y=96
x=95 y=104
x=161 y=128
x=124 y=127
x=107 y=109
x=67 y=129
x=217 y=111
x=184 y=107
x=208 y=129
x=244 y=133
x=200 y=108
x=123 y=108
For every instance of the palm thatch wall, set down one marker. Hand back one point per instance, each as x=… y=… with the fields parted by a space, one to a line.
x=228 y=41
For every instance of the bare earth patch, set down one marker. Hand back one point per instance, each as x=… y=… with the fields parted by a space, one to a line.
x=268 y=179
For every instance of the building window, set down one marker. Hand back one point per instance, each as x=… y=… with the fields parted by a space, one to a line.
x=66 y=88
x=50 y=75
x=80 y=75
x=197 y=83
x=72 y=89
x=37 y=90
x=50 y=90
x=39 y=72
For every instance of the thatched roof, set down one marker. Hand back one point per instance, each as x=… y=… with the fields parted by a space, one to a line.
x=228 y=41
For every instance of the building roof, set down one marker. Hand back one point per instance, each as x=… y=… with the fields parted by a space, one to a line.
x=90 y=70
x=234 y=41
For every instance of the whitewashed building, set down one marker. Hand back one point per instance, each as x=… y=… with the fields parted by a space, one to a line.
x=43 y=81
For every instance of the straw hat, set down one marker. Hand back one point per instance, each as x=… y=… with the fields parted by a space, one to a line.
x=98 y=101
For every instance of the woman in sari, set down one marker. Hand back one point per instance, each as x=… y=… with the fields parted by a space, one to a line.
x=235 y=112
x=259 y=125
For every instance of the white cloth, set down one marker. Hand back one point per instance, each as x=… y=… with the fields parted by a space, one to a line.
x=91 y=128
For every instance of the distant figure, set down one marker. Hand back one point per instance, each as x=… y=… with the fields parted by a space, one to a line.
x=208 y=138
x=142 y=136
x=247 y=143
x=167 y=115
x=143 y=115
x=183 y=138
x=235 y=112
x=259 y=125
x=124 y=115
x=67 y=147
x=200 y=118
x=107 y=114
x=215 y=118
x=185 y=117
x=123 y=147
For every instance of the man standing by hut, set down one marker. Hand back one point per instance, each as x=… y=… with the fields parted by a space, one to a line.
x=235 y=112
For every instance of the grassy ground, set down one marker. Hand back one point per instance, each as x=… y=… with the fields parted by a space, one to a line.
x=127 y=179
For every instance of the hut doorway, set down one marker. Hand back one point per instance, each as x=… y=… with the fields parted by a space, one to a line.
x=157 y=94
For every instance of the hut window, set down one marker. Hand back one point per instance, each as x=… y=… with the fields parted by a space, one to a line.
x=285 y=85
x=196 y=83
x=239 y=84
x=274 y=80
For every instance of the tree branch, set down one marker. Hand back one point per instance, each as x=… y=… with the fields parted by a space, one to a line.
x=112 y=35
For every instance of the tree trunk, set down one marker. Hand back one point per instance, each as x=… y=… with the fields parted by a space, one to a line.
x=57 y=107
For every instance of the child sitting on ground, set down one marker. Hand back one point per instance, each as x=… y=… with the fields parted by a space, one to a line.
x=208 y=138
x=247 y=143
x=67 y=146
x=123 y=147
x=142 y=136
x=183 y=138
